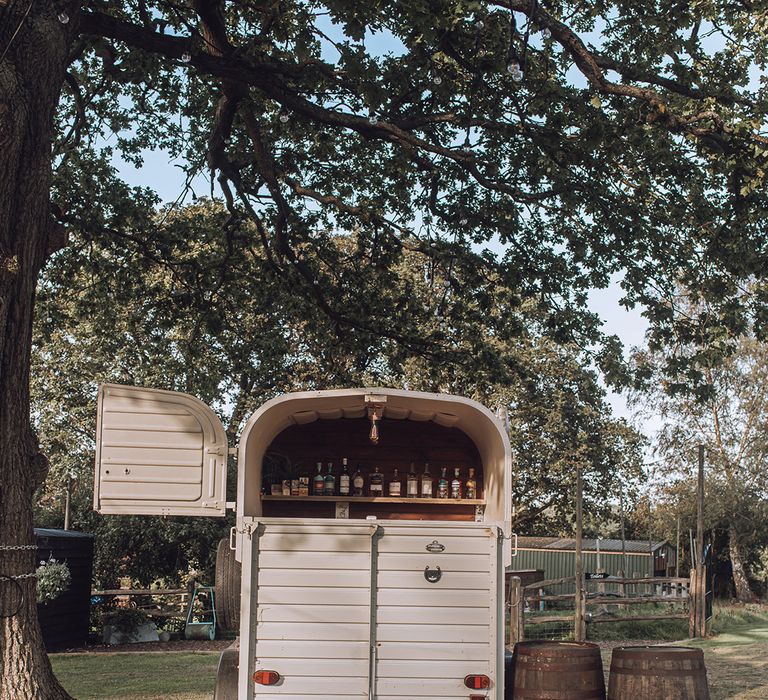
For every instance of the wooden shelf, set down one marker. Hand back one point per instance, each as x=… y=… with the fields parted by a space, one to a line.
x=379 y=499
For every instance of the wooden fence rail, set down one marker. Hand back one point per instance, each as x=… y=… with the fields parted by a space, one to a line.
x=519 y=595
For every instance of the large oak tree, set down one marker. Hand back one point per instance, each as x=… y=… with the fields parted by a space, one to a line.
x=588 y=140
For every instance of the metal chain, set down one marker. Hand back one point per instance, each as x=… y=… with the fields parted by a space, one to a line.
x=15 y=547
x=32 y=575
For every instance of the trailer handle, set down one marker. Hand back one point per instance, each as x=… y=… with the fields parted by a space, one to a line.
x=233 y=538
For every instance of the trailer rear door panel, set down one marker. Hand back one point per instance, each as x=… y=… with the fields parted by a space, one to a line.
x=313 y=598
x=430 y=634
x=345 y=609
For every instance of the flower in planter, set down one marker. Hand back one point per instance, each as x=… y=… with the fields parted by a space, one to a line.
x=53 y=578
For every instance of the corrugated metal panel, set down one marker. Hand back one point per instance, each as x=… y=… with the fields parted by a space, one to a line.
x=561 y=564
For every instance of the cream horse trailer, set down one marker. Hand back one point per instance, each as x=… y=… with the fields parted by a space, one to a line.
x=382 y=597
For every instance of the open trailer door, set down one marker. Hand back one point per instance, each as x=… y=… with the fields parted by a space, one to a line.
x=158 y=453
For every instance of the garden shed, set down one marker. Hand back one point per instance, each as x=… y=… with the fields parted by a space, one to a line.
x=555 y=556
x=65 y=620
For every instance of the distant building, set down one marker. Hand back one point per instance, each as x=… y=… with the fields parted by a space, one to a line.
x=555 y=557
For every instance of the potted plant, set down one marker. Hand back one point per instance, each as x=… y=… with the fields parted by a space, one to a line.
x=128 y=625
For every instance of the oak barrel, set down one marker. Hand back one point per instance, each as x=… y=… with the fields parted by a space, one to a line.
x=657 y=673
x=557 y=671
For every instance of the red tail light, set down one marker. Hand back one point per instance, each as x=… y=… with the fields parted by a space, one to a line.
x=476 y=681
x=266 y=677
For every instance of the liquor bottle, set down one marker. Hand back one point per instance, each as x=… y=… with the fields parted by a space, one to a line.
x=376 y=483
x=344 y=479
x=426 y=482
x=304 y=484
x=358 y=482
x=412 y=483
x=330 y=482
x=456 y=483
x=395 y=485
x=318 y=483
x=471 y=486
x=443 y=488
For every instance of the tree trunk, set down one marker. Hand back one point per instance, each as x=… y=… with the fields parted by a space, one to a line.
x=34 y=47
x=740 y=582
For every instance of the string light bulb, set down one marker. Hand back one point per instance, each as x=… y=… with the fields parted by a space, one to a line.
x=546 y=33
x=63 y=17
x=480 y=24
x=186 y=57
x=437 y=80
x=373 y=119
x=283 y=117
x=463 y=222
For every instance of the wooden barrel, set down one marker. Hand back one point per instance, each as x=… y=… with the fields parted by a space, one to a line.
x=657 y=673
x=557 y=671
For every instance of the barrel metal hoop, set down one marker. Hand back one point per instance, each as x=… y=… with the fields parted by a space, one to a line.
x=658 y=672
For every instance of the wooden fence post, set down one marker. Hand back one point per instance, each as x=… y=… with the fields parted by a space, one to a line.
x=580 y=605
x=692 y=604
x=516 y=611
x=701 y=593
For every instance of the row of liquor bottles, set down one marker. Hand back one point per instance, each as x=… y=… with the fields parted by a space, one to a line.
x=410 y=485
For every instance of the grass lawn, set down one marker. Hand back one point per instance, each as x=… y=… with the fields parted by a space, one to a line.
x=137 y=676
x=737 y=658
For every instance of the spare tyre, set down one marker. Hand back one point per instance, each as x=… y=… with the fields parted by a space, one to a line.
x=227 y=589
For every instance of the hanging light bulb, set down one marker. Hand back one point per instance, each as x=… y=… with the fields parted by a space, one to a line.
x=63 y=17
x=513 y=67
x=437 y=80
x=186 y=57
x=480 y=25
x=373 y=119
x=546 y=33
x=284 y=117
x=463 y=222
x=518 y=76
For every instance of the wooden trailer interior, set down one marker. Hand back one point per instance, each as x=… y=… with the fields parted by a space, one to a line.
x=298 y=448
x=298 y=430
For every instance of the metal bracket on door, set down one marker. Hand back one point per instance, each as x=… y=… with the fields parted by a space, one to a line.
x=432 y=575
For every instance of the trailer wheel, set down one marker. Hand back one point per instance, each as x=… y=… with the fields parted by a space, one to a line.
x=226 y=675
x=227 y=588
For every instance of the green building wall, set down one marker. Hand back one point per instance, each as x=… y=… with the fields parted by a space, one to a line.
x=560 y=564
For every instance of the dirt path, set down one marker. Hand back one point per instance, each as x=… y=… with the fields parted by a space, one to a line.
x=737 y=662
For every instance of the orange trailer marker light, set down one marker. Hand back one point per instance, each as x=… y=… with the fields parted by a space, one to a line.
x=266 y=677
x=477 y=681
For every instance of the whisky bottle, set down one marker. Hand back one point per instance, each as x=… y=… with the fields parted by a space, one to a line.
x=412 y=483
x=304 y=484
x=344 y=479
x=358 y=483
x=329 y=489
x=443 y=488
x=395 y=485
x=456 y=483
x=470 y=487
x=377 y=483
x=426 y=482
x=318 y=482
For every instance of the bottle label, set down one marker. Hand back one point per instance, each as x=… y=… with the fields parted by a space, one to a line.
x=413 y=487
x=471 y=492
x=394 y=488
x=344 y=485
x=426 y=489
x=359 y=483
x=377 y=489
x=455 y=489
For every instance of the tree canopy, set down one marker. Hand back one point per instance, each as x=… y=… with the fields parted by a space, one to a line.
x=542 y=148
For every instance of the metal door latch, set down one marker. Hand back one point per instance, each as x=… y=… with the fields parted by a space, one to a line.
x=432 y=575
